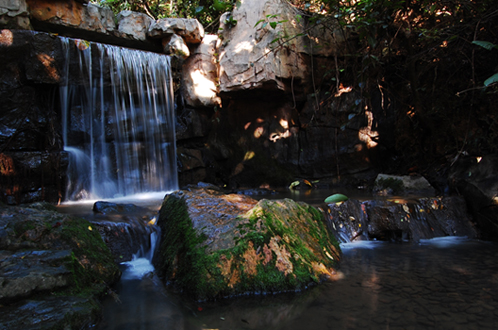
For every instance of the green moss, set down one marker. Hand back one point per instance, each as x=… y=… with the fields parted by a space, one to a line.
x=91 y=263
x=184 y=261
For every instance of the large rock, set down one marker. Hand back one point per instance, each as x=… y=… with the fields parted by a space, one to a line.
x=14 y=14
x=79 y=19
x=134 y=25
x=44 y=253
x=386 y=184
x=174 y=45
x=200 y=75
x=73 y=14
x=262 y=51
x=217 y=245
x=189 y=29
x=476 y=179
x=400 y=220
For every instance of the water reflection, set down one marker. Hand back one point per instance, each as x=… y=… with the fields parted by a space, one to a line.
x=448 y=283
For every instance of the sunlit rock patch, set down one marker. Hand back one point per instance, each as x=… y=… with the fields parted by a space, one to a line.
x=216 y=245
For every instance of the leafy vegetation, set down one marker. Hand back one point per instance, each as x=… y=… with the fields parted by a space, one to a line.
x=427 y=69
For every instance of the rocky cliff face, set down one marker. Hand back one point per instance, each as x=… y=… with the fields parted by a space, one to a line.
x=248 y=111
x=273 y=123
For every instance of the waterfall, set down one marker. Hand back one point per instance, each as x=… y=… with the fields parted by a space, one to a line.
x=118 y=121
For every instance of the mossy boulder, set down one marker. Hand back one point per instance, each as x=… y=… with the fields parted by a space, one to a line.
x=216 y=245
x=48 y=257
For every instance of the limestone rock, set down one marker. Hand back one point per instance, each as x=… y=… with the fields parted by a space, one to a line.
x=73 y=14
x=200 y=75
x=189 y=29
x=175 y=46
x=216 y=245
x=262 y=55
x=134 y=25
x=14 y=14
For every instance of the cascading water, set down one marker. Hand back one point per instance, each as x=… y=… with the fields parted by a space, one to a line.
x=118 y=121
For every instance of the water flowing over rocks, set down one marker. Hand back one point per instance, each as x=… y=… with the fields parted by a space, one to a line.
x=43 y=253
x=399 y=219
x=215 y=245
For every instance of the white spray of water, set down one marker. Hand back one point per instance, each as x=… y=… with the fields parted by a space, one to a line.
x=141 y=263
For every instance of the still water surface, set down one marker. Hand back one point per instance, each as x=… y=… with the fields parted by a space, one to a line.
x=444 y=283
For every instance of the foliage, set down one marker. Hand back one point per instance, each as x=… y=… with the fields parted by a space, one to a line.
x=437 y=90
x=489 y=46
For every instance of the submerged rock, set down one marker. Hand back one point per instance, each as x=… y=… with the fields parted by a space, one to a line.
x=216 y=245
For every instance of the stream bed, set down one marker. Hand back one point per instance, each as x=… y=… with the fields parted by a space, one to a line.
x=442 y=283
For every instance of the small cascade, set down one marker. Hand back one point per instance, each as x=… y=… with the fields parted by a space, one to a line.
x=132 y=241
x=141 y=263
x=399 y=219
x=118 y=121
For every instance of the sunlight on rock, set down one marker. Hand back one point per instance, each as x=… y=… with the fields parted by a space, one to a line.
x=50 y=66
x=245 y=45
x=7 y=167
x=6 y=38
x=274 y=137
x=249 y=155
x=258 y=132
x=343 y=90
x=366 y=134
x=203 y=87
x=284 y=123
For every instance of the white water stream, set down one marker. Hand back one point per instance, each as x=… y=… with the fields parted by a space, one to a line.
x=118 y=121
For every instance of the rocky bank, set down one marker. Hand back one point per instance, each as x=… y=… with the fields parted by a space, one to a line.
x=53 y=269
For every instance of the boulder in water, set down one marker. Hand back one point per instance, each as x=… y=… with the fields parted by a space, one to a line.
x=45 y=253
x=216 y=245
x=409 y=184
x=400 y=219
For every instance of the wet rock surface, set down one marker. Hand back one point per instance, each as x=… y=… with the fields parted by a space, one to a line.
x=217 y=245
x=476 y=179
x=52 y=268
x=399 y=219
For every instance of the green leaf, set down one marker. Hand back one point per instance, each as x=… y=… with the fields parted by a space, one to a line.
x=264 y=25
x=273 y=24
x=260 y=21
x=491 y=80
x=485 y=44
x=336 y=198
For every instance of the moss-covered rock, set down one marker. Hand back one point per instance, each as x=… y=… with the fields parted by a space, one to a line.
x=45 y=257
x=216 y=245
